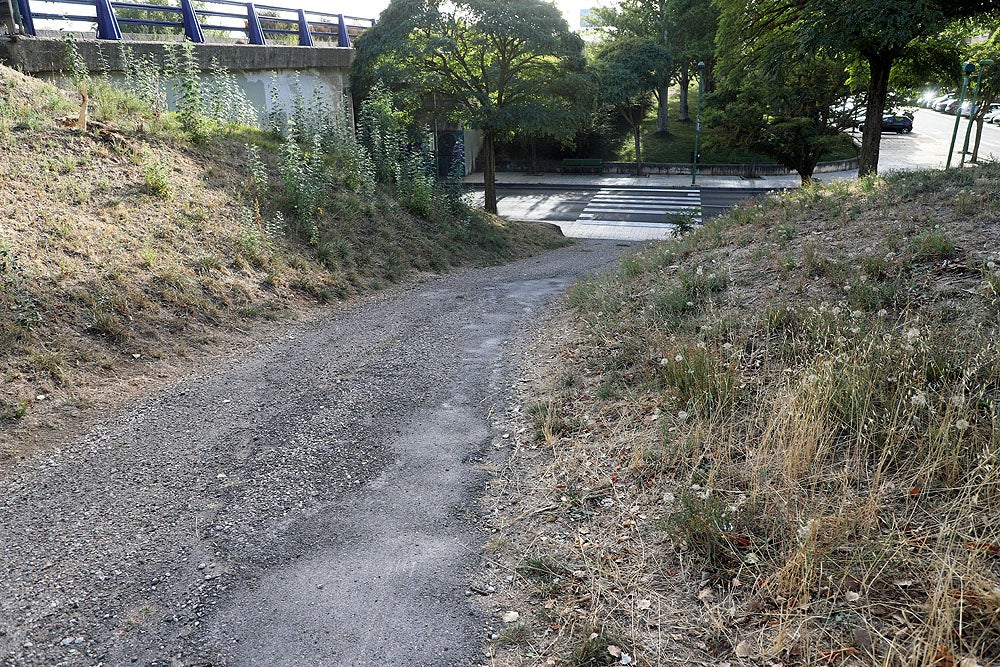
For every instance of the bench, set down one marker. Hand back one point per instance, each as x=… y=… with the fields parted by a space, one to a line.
x=583 y=165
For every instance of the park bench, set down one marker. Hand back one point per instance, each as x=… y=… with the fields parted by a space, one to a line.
x=583 y=165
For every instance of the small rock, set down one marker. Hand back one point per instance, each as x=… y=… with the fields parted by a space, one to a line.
x=511 y=617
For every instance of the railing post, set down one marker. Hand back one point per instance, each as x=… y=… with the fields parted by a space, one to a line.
x=255 y=33
x=305 y=39
x=27 y=22
x=107 y=24
x=192 y=29
x=343 y=37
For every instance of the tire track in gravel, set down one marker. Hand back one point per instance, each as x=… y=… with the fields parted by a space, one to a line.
x=311 y=504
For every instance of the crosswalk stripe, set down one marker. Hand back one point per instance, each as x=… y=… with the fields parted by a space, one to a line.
x=646 y=208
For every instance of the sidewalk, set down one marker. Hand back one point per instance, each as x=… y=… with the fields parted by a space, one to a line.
x=590 y=181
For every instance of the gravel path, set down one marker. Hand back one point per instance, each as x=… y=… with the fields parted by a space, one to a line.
x=310 y=504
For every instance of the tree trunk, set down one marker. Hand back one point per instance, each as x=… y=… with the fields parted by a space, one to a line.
x=637 y=132
x=662 y=122
x=489 y=174
x=685 y=81
x=979 y=137
x=871 y=137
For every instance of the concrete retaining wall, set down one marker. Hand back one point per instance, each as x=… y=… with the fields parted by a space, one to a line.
x=319 y=69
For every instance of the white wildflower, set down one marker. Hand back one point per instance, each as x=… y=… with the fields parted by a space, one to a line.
x=919 y=399
x=962 y=424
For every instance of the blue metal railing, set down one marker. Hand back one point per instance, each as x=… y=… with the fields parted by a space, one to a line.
x=258 y=21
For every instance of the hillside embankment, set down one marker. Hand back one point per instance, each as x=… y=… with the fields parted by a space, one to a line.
x=770 y=442
x=151 y=240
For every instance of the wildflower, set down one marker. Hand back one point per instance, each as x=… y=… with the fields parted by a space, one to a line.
x=919 y=399
x=664 y=361
x=912 y=334
x=679 y=358
x=699 y=271
x=883 y=312
x=962 y=424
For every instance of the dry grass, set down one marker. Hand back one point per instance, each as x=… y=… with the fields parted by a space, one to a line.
x=126 y=250
x=774 y=441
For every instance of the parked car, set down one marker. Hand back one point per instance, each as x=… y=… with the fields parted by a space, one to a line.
x=992 y=114
x=902 y=123
x=934 y=101
x=942 y=105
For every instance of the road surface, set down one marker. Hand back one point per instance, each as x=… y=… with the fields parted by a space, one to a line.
x=310 y=504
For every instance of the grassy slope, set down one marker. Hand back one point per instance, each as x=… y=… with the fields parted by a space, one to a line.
x=124 y=249
x=775 y=441
x=677 y=146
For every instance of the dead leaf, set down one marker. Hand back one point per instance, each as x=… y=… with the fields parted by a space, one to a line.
x=614 y=651
x=744 y=650
x=943 y=657
x=643 y=604
x=852 y=596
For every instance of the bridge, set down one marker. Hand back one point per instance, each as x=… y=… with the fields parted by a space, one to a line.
x=259 y=44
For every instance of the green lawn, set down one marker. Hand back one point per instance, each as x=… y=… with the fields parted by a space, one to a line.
x=679 y=144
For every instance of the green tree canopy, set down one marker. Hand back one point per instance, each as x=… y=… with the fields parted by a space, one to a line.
x=879 y=31
x=501 y=67
x=629 y=70
x=684 y=28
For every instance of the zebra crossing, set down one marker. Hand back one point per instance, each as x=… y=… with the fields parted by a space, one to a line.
x=648 y=207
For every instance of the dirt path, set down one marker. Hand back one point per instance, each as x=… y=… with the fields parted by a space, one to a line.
x=311 y=504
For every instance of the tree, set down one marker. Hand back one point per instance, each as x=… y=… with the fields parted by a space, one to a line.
x=684 y=28
x=788 y=109
x=629 y=70
x=880 y=31
x=498 y=67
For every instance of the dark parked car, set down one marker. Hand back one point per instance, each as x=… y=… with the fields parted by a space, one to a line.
x=899 y=124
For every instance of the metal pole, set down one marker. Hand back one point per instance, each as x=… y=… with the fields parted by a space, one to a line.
x=697 y=123
x=972 y=110
x=967 y=69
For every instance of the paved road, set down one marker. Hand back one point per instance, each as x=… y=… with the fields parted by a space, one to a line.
x=641 y=212
x=624 y=213
x=311 y=504
x=927 y=146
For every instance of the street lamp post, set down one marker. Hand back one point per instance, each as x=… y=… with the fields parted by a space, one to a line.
x=697 y=123
x=972 y=110
x=967 y=69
